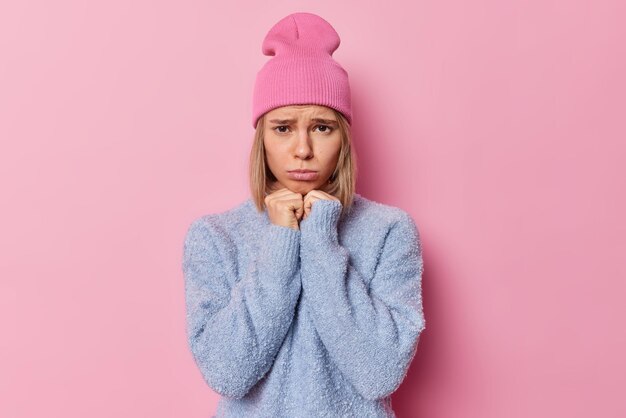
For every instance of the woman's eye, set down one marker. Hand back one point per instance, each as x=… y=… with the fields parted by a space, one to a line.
x=280 y=127
x=326 y=128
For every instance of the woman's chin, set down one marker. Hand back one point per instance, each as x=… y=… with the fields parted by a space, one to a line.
x=302 y=187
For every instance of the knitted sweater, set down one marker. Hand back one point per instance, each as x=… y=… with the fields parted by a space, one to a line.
x=318 y=322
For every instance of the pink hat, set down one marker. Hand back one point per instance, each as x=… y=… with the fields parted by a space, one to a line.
x=302 y=70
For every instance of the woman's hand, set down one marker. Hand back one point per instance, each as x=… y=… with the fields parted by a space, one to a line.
x=311 y=197
x=285 y=208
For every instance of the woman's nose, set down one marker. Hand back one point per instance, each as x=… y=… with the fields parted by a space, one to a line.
x=303 y=145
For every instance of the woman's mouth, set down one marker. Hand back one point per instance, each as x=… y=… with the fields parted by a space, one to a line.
x=302 y=174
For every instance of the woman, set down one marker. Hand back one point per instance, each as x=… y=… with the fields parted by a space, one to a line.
x=304 y=300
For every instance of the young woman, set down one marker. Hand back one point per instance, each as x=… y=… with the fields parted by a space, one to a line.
x=304 y=300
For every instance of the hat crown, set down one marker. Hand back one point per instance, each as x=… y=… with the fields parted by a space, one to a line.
x=301 y=32
x=302 y=69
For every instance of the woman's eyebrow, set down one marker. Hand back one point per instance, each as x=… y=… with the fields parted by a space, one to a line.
x=283 y=121
x=326 y=121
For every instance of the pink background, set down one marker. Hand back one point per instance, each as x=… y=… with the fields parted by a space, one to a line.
x=499 y=125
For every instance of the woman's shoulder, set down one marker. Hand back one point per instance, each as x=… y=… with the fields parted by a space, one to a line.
x=384 y=220
x=226 y=222
x=367 y=210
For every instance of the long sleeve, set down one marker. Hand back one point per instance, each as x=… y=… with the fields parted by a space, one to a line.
x=237 y=317
x=370 y=334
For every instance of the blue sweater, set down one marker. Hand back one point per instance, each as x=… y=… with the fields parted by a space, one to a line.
x=322 y=321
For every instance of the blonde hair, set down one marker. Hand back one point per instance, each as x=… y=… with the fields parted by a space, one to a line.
x=342 y=183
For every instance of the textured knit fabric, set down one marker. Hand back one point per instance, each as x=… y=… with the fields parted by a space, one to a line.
x=318 y=322
x=302 y=69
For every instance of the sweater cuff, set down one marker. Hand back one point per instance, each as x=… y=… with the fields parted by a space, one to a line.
x=281 y=246
x=323 y=218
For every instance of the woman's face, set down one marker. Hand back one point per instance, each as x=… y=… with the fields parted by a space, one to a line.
x=301 y=137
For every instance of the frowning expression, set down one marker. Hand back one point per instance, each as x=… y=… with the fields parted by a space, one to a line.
x=301 y=137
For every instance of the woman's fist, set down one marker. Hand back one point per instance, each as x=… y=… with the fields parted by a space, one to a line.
x=285 y=208
x=312 y=196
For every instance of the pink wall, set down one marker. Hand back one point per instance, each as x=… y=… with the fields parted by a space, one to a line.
x=499 y=125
